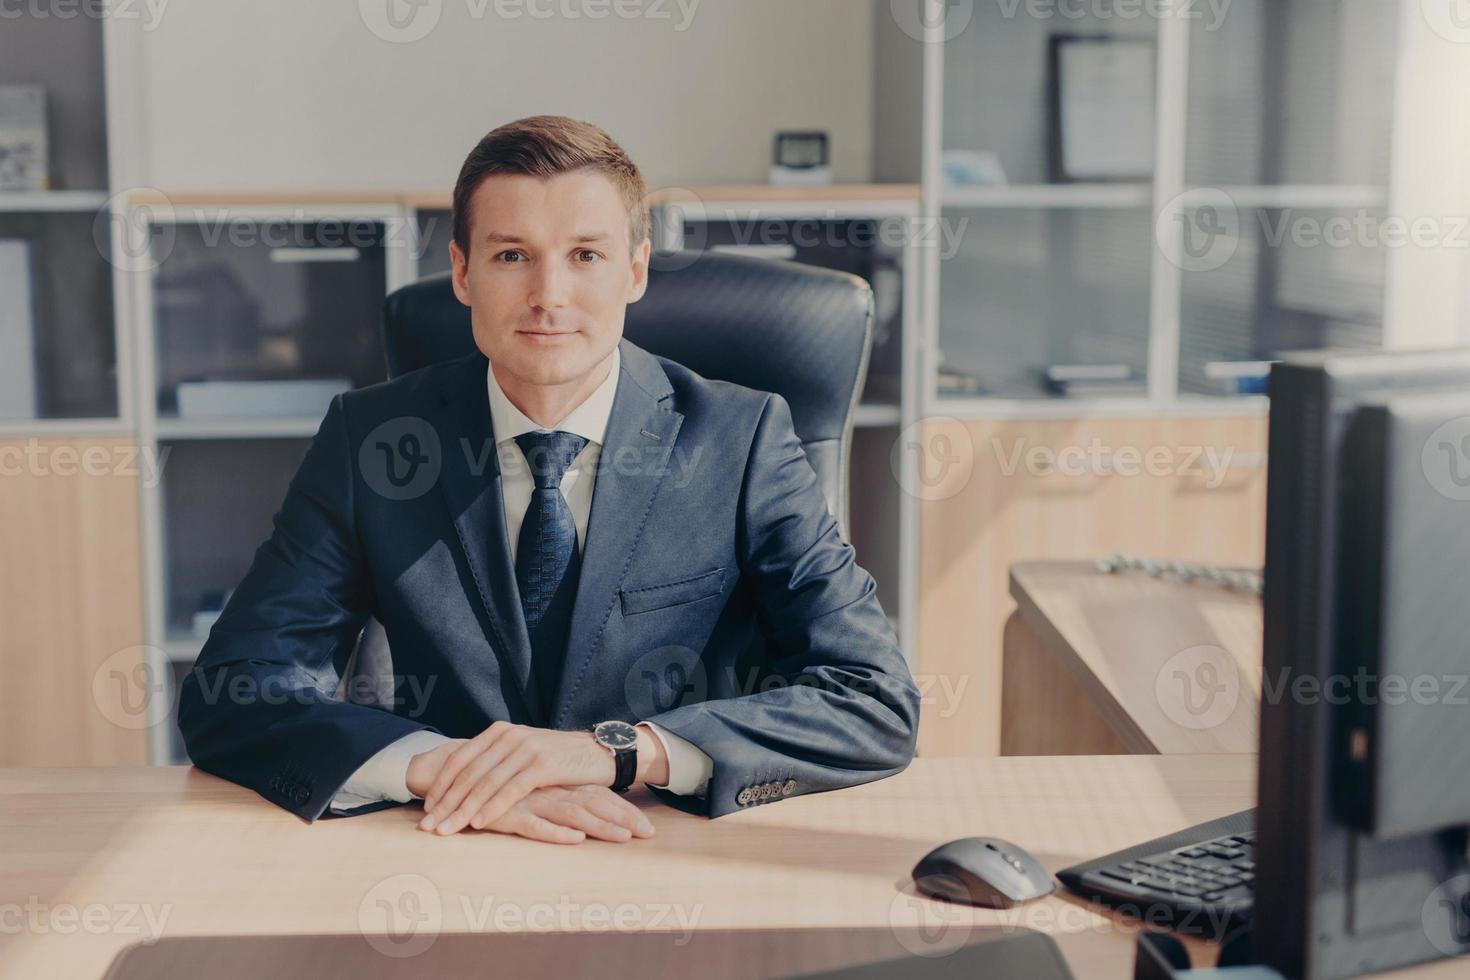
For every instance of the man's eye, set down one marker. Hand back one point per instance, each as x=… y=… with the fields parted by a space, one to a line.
x=507 y=252
x=586 y=252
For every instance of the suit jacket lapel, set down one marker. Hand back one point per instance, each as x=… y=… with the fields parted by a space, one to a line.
x=635 y=454
x=470 y=479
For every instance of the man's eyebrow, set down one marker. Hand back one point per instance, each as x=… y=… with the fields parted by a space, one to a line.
x=591 y=236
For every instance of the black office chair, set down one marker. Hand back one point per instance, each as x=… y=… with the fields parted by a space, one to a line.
x=796 y=330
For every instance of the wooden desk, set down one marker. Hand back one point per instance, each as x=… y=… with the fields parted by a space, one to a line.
x=216 y=859
x=1096 y=663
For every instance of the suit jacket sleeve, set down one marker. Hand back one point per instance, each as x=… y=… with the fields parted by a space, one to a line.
x=845 y=709
x=258 y=707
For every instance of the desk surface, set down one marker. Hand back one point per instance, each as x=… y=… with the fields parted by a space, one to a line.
x=1171 y=667
x=216 y=859
x=206 y=857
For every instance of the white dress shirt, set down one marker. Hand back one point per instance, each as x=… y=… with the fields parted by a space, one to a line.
x=385 y=775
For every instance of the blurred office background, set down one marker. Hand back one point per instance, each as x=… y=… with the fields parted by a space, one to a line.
x=1089 y=225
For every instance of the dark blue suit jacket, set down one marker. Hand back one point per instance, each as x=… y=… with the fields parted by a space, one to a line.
x=717 y=598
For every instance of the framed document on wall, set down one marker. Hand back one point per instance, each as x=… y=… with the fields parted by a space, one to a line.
x=1102 y=108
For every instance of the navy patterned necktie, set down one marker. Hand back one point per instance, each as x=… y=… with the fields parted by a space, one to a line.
x=547 y=560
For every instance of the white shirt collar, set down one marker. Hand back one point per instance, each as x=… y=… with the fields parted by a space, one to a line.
x=588 y=420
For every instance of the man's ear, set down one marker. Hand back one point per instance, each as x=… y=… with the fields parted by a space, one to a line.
x=639 y=285
x=461 y=275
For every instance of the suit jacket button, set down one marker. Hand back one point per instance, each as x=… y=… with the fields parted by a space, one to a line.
x=789 y=788
x=302 y=796
x=768 y=790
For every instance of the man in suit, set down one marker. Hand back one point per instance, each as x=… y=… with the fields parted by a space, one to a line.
x=592 y=565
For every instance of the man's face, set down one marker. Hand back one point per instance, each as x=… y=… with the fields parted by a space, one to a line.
x=549 y=273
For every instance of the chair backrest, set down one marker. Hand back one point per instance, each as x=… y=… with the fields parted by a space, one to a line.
x=796 y=330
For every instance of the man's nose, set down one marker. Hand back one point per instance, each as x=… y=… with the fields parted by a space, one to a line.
x=549 y=290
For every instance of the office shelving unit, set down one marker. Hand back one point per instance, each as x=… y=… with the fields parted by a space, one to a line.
x=254 y=287
x=80 y=361
x=1244 y=138
x=226 y=476
x=1101 y=273
x=70 y=628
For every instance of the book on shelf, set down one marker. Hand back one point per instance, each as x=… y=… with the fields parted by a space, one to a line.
x=17 y=331
x=23 y=143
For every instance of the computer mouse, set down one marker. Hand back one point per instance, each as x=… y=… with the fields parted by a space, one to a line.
x=982 y=871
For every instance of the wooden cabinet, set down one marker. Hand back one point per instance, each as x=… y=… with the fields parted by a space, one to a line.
x=74 y=676
x=1182 y=487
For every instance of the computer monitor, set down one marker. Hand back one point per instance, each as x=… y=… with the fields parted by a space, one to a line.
x=1364 y=795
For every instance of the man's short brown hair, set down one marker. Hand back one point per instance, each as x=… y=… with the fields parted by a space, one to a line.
x=545 y=146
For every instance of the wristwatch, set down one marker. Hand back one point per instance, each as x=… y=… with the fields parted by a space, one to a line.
x=621 y=739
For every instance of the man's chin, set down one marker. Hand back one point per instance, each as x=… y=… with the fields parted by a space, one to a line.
x=553 y=365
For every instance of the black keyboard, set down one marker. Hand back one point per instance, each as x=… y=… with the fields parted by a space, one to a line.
x=1200 y=881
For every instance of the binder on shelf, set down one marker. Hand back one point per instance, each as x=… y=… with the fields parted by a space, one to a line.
x=24 y=163
x=17 y=331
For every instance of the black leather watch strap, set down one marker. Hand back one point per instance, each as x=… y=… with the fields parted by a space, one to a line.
x=627 y=761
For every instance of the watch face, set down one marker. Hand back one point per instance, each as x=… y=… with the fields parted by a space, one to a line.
x=616 y=734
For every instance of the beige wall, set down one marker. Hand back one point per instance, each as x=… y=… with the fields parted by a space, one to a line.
x=279 y=94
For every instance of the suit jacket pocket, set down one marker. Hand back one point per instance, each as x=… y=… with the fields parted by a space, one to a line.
x=675 y=593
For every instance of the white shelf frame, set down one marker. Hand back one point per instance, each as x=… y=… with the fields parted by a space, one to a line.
x=52 y=202
x=1038 y=196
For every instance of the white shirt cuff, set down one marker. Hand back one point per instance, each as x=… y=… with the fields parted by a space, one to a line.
x=385 y=775
x=689 y=767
